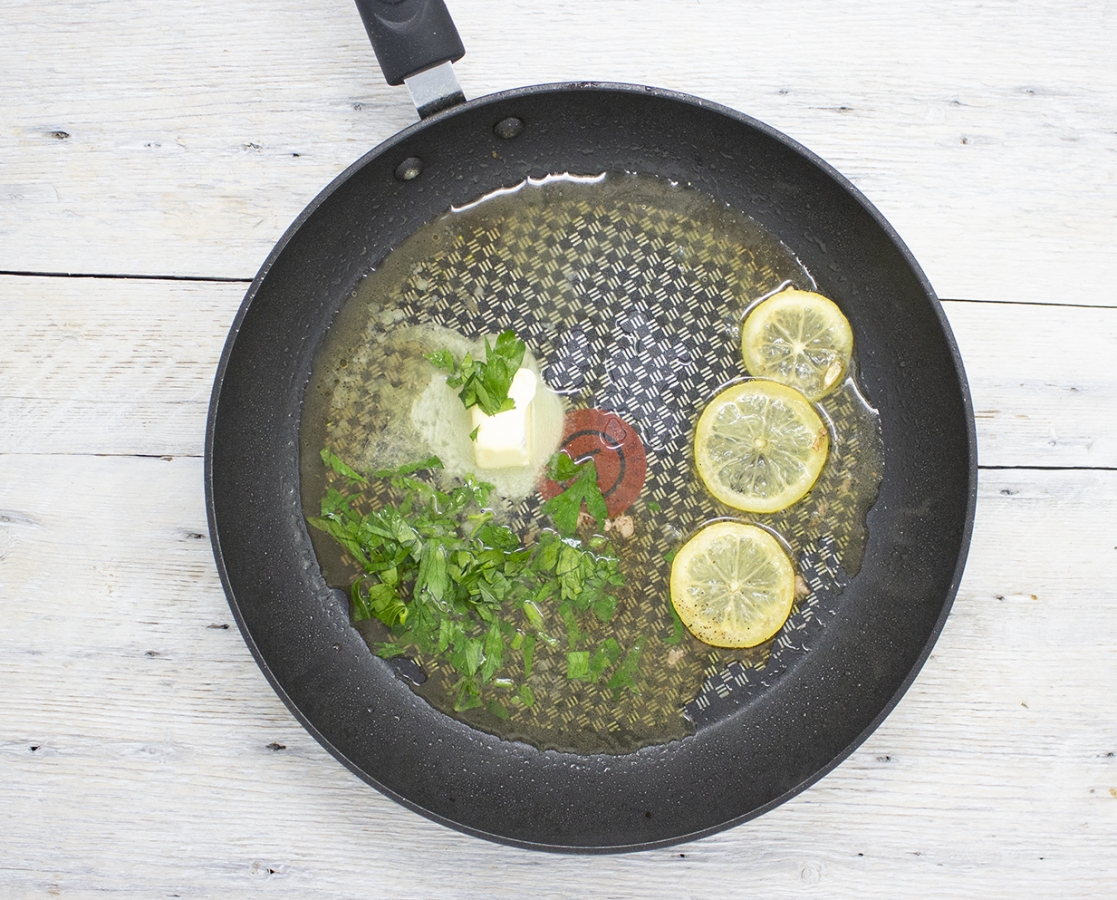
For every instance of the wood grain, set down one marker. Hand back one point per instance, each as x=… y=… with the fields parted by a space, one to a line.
x=133 y=717
x=142 y=752
x=95 y=365
x=181 y=139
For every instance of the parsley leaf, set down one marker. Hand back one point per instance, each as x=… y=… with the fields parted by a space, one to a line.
x=332 y=460
x=581 y=486
x=607 y=655
x=485 y=384
x=677 y=628
x=448 y=581
x=578 y=664
x=625 y=676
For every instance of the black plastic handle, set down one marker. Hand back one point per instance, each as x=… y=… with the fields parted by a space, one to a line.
x=409 y=36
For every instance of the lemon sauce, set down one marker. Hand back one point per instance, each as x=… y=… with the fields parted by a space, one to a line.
x=630 y=293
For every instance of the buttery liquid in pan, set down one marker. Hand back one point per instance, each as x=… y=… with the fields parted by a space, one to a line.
x=630 y=292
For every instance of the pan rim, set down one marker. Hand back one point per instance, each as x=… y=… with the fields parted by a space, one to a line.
x=527 y=92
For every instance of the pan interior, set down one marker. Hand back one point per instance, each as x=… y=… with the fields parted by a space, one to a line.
x=630 y=291
x=786 y=737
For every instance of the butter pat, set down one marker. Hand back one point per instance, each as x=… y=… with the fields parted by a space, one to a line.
x=504 y=440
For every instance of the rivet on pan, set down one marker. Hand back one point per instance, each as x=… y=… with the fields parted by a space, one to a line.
x=508 y=128
x=409 y=169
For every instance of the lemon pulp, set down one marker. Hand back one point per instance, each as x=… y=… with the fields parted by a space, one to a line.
x=760 y=446
x=800 y=339
x=732 y=585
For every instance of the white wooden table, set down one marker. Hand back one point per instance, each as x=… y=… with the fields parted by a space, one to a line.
x=150 y=155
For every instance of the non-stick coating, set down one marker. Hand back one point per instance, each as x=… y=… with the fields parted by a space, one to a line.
x=811 y=717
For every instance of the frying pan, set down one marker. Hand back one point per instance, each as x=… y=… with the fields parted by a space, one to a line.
x=755 y=756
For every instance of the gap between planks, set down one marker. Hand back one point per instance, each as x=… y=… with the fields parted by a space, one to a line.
x=215 y=279
x=173 y=456
x=218 y=279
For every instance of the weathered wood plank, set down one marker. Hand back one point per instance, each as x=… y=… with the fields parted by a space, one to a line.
x=181 y=139
x=114 y=675
x=143 y=753
x=126 y=366
x=93 y=365
x=1043 y=384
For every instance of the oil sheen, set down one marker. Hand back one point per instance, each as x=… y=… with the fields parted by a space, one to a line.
x=630 y=292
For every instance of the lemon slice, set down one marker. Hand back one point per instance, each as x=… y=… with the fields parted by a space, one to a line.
x=760 y=446
x=732 y=585
x=800 y=339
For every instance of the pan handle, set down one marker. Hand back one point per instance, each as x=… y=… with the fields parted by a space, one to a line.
x=416 y=43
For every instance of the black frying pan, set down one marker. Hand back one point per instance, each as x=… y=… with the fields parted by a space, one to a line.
x=759 y=754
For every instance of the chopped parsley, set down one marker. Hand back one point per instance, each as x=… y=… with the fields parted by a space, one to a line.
x=450 y=582
x=485 y=383
x=580 y=480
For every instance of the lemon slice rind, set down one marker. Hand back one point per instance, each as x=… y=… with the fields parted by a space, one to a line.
x=798 y=338
x=732 y=585
x=759 y=446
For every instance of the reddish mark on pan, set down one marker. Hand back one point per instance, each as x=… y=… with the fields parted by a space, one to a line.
x=617 y=452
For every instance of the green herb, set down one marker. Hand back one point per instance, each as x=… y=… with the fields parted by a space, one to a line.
x=448 y=581
x=625 y=676
x=485 y=383
x=578 y=664
x=498 y=709
x=580 y=486
x=528 y=650
x=332 y=460
x=607 y=655
x=678 y=630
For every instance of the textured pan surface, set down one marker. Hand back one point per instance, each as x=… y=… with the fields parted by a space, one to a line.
x=785 y=737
